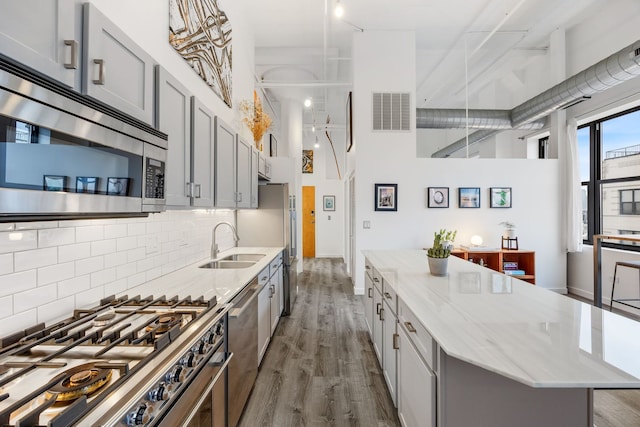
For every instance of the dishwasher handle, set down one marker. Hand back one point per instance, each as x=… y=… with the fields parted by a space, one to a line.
x=245 y=299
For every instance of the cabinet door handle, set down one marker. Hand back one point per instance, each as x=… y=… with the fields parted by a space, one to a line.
x=101 y=71
x=264 y=278
x=239 y=197
x=366 y=267
x=378 y=308
x=73 y=62
x=387 y=295
x=396 y=345
x=370 y=290
x=382 y=314
x=375 y=279
x=410 y=327
x=198 y=190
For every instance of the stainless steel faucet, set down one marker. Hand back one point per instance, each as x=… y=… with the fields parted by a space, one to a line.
x=214 y=245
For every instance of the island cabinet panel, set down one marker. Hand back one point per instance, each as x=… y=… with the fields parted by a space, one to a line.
x=377 y=322
x=367 y=301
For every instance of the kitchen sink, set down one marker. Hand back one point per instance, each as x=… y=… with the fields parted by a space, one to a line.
x=244 y=257
x=227 y=264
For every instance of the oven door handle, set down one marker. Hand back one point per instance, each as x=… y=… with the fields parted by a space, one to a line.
x=207 y=393
x=246 y=299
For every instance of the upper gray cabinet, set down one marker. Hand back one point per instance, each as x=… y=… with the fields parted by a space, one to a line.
x=243 y=174
x=254 y=177
x=225 y=165
x=174 y=119
x=45 y=36
x=117 y=71
x=203 y=155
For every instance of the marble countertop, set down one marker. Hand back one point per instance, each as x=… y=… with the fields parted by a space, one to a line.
x=529 y=334
x=193 y=281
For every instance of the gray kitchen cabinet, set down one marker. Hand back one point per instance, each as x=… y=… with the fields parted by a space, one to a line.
x=203 y=154
x=388 y=316
x=277 y=299
x=377 y=321
x=262 y=165
x=225 y=165
x=367 y=299
x=254 y=177
x=267 y=169
x=264 y=313
x=243 y=174
x=174 y=118
x=417 y=373
x=45 y=36
x=116 y=70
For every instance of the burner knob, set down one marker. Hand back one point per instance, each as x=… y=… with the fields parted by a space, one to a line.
x=219 y=329
x=210 y=338
x=201 y=347
x=176 y=375
x=189 y=360
x=138 y=416
x=159 y=393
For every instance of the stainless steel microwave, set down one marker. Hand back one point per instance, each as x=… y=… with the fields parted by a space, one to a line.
x=63 y=154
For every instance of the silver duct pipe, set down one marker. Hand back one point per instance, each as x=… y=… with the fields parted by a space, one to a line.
x=611 y=71
x=447 y=118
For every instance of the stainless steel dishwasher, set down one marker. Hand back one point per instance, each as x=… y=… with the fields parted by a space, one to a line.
x=243 y=343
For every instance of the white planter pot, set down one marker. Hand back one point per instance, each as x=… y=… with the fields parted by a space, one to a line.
x=438 y=266
x=509 y=233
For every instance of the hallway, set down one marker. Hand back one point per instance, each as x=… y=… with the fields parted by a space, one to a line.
x=320 y=368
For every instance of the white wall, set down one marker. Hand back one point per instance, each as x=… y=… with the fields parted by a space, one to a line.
x=49 y=268
x=329 y=224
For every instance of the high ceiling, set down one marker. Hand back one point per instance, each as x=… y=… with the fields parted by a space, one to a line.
x=303 y=51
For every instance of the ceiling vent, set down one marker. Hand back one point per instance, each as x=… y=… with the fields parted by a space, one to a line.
x=391 y=112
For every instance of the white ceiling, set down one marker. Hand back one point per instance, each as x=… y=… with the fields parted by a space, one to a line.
x=303 y=51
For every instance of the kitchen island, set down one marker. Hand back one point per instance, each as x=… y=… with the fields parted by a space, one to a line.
x=502 y=351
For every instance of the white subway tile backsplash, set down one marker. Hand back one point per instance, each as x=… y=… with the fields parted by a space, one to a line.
x=56 y=237
x=32 y=298
x=18 y=322
x=13 y=241
x=126 y=243
x=6 y=306
x=28 y=260
x=56 y=273
x=6 y=264
x=102 y=247
x=75 y=263
x=103 y=277
x=57 y=310
x=74 y=286
x=114 y=231
x=74 y=252
x=89 y=265
x=88 y=234
x=17 y=282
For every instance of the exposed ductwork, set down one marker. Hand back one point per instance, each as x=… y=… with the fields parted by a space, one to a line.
x=445 y=118
x=611 y=71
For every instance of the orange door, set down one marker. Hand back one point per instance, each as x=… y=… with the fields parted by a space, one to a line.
x=308 y=221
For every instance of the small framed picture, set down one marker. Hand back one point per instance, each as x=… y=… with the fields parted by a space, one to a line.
x=329 y=203
x=117 y=186
x=500 y=197
x=469 y=197
x=438 y=197
x=386 y=197
x=54 y=182
x=86 y=184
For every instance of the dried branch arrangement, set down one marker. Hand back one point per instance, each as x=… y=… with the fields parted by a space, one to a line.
x=256 y=119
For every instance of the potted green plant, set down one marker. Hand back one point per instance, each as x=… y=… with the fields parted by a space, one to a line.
x=438 y=254
x=509 y=229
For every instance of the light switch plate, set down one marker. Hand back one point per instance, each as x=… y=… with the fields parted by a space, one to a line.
x=366 y=224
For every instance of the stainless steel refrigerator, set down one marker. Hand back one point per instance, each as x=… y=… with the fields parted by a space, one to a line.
x=273 y=224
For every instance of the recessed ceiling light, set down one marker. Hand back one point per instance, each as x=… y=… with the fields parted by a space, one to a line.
x=307 y=102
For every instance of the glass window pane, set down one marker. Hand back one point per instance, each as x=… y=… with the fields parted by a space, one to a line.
x=618 y=217
x=583 y=153
x=626 y=196
x=620 y=146
x=585 y=213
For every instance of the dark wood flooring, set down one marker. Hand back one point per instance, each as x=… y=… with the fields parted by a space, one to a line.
x=320 y=368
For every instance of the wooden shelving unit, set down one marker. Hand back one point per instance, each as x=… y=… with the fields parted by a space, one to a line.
x=495 y=259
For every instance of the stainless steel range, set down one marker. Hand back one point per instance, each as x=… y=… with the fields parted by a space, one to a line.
x=128 y=361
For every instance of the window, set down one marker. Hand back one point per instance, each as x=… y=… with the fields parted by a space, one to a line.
x=543 y=147
x=609 y=155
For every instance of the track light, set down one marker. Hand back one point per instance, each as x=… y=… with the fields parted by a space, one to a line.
x=339 y=10
x=317 y=144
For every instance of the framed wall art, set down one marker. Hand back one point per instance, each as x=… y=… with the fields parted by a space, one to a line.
x=386 y=197
x=469 y=197
x=500 y=197
x=117 y=186
x=86 y=184
x=438 y=197
x=307 y=161
x=54 y=182
x=329 y=203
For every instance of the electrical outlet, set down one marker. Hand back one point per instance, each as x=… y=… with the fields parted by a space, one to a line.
x=366 y=224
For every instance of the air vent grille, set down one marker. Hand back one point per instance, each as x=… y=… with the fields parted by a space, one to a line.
x=391 y=112
x=637 y=52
